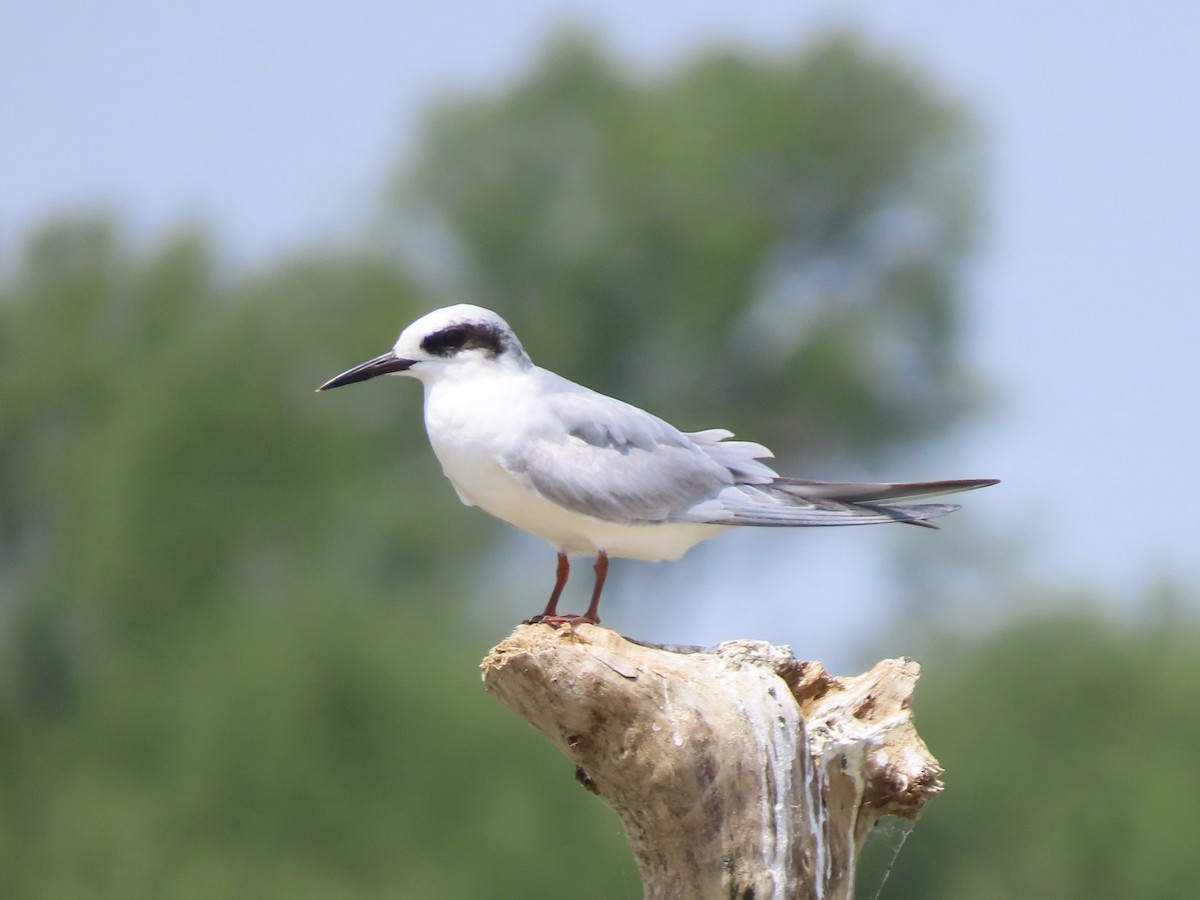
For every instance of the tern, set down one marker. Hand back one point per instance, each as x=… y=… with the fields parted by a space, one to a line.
x=598 y=477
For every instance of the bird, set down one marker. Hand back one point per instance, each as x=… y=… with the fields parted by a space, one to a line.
x=595 y=476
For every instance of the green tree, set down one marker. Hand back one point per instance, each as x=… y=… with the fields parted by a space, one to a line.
x=226 y=666
x=736 y=237
x=1069 y=742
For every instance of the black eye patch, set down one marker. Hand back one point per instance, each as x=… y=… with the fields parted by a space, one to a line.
x=450 y=341
x=446 y=342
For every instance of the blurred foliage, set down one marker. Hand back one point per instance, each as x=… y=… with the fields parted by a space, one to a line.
x=232 y=658
x=229 y=660
x=1069 y=743
x=741 y=236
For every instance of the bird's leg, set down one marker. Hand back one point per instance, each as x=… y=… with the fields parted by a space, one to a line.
x=592 y=616
x=560 y=582
x=593 y=611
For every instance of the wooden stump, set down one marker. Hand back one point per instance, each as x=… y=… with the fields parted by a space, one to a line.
x=738 y=772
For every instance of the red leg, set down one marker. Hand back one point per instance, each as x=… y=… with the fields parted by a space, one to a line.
x=593 y=611
x=560 y=582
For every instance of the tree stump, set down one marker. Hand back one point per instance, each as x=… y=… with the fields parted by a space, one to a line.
x=738 y=772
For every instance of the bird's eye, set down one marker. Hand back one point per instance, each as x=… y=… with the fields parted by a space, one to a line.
x=446 y=342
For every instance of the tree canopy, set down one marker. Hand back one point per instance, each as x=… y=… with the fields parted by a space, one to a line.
x=740 y=235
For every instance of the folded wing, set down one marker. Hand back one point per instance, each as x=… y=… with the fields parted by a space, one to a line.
x=612 y=461
x=600 y=457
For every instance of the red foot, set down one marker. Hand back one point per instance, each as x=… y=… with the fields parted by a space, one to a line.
x=550 y=615
x=555 y=621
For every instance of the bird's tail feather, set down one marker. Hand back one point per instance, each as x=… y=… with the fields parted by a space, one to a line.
x=794 y=502
x=860 y=492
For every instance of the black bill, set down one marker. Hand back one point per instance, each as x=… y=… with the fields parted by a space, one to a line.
x=380 y=365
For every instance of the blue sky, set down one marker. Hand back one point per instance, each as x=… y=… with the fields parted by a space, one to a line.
x=276 y=122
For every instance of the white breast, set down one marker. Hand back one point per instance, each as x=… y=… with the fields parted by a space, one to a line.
x=471 y=423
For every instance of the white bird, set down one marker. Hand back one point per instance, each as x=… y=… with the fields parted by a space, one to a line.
x=595 y=476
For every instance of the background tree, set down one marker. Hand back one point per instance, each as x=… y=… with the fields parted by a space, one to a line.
x=226 y=668
x=739 y=236
x=1069 y=741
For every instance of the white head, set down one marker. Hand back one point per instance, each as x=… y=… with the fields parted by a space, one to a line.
x=438 y=341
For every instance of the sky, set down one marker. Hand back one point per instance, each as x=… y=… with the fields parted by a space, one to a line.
x=276 y=123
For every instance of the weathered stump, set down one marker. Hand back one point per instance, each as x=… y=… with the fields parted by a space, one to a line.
x=738 y=772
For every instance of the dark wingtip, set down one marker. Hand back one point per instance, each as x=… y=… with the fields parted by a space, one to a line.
x=923 y=523
x=918 y=514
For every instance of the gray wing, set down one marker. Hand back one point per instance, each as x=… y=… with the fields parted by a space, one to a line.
x=598 y=456
x=601 y=457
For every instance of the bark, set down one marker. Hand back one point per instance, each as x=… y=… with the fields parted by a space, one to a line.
x=738 y=772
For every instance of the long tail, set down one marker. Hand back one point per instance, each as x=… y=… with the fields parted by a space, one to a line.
x=797 y=502
x=856 y=492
